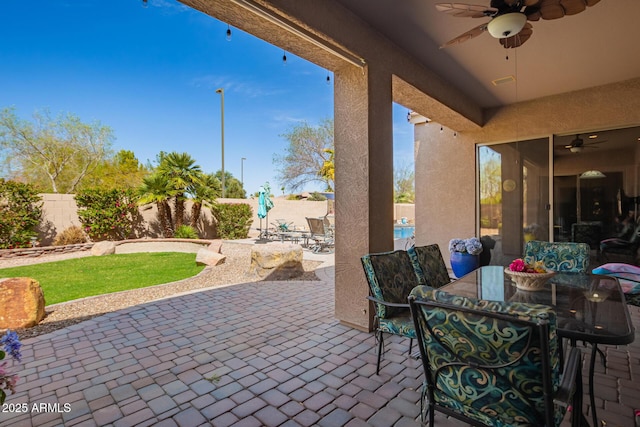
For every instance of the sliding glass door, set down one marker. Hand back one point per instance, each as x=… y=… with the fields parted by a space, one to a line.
x=596 y=192
x=514 y=196
x=596 y=187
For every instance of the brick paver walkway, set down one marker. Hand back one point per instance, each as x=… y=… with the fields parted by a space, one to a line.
x=256 y=354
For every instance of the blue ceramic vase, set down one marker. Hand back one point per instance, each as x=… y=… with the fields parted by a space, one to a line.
x=463 y=263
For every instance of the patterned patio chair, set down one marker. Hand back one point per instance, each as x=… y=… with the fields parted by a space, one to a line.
x=564 y=257
x=491 y=363
x=391 y=277
x=589 y=233
x=625 y=247
x=429 y=265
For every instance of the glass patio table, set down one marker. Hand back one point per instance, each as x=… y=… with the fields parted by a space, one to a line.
x=589 y=307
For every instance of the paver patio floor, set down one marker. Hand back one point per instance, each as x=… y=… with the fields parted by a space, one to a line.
x=255 y=354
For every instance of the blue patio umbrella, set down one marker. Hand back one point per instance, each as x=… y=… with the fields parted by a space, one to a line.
x=264 y=206
x=264 y=201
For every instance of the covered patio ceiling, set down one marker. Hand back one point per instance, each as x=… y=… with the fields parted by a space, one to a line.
x=589 y=49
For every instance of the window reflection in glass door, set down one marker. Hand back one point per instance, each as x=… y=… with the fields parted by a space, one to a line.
x=514 y=196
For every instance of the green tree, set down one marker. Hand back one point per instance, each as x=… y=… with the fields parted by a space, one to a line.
x=404 y=184
x=233 y=186
x=54 y=154
x=309 y=149
x=120 y=171
x=20 y=214
x=490 y=176
x=182 y=172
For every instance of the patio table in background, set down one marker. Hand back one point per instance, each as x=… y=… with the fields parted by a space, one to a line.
x=589 y=308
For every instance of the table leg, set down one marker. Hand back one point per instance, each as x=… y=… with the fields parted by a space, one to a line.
x=592 y=364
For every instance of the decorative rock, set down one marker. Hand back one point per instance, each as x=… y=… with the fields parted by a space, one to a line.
x=216 y=246
x=103 y=248
x=208 y=257
x=276 y=261
x=22 y=302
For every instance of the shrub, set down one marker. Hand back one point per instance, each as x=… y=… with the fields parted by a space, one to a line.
x=70 y=236
x=185 y=232
x=107 y=214
x=20 y=214
x=232 y=220
x=317 y=197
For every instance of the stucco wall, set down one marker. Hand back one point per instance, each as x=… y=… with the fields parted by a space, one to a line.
x=60 y=212
x=445 y=186
x=446 y=168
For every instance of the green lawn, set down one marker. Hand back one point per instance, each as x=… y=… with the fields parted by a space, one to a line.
x=96 y=275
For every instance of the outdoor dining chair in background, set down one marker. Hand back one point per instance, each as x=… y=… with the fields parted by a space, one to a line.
x=429 y=265
x=565 y=257
x=492 y=363
x=391 y=278
x=321 y=236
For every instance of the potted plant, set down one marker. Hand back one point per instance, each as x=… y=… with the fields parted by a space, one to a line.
x=464 y=255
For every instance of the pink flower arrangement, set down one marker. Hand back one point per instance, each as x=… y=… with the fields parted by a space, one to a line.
x=519 y=265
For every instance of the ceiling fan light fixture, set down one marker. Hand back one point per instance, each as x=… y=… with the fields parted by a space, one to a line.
x=507 y=25
x=592 y=174
x=576 y=149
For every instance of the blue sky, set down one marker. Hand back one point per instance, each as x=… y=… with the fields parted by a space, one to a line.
x=151 y=74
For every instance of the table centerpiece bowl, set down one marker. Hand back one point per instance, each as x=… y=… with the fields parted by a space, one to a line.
x=529 y=281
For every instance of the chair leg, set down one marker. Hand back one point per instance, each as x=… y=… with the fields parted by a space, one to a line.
x=380 y=349
x=410 y=345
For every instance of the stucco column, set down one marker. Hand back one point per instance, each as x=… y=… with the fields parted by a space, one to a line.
x=364 y=184
x=445 y=186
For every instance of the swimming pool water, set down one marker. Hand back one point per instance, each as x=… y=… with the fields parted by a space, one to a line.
x=403 y=231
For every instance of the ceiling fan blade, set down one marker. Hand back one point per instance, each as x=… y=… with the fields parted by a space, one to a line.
x=532 y=12
x=551 y=9
x=472 y=33
x=519 y=39
x=462 y=10
x=572 y=7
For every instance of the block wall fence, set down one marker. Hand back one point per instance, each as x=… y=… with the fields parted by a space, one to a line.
x=59 y=212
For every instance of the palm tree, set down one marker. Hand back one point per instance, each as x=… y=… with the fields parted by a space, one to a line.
x=157 y=189
x=208 y=189
x=182 y=172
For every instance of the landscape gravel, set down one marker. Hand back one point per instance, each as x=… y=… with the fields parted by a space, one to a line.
x=233 y=271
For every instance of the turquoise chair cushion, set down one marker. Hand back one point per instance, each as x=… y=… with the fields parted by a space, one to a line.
x=401 y=324
x=498 y=397
x=558 y=256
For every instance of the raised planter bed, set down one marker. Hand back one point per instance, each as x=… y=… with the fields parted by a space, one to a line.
x=122 y=246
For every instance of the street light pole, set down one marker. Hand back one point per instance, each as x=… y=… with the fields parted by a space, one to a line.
x=221 y=92
x=242 y=171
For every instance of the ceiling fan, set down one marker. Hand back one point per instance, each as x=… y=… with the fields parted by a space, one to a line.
x=578 y=144
x=509 y=17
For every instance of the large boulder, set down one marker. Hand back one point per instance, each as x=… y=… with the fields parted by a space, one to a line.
x=207 y=257
x=103 y=248
x=215 y=246
x=22 y=302
x=276 y=261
